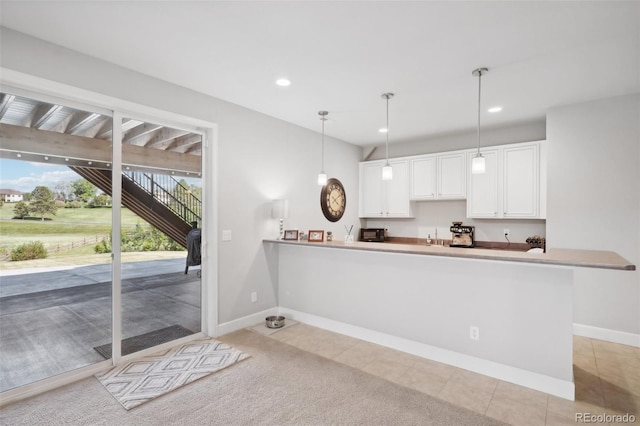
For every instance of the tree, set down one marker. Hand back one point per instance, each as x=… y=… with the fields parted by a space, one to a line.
x=63 y=190
x=43 y=202
x=83 y=189
x=20 y=210
x=99 y=200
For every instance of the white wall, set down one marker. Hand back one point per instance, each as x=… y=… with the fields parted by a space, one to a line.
x=594 y=203
x=259 y=158
x=524 y=323
x=430 y=215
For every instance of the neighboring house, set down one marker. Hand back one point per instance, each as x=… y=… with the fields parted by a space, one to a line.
x=10 y=195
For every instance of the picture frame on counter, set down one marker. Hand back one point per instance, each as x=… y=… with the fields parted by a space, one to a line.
x=290 y=234
x=316 y=236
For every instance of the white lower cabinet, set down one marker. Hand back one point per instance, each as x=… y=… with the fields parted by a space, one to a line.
x=388 y=199
x=510 y=186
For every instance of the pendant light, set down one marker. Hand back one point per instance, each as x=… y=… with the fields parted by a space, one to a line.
x=387 y=171
x=478 y=164
x=322 y=176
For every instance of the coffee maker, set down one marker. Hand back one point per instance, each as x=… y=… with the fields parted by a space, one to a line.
x=461 y=235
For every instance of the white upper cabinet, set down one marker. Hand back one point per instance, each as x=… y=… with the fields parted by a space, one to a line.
x=438 y=176
x=520 y=181
x=388 y=199
x=483 y=195
x=511 y=186
x=423 y=177
x=452 y=176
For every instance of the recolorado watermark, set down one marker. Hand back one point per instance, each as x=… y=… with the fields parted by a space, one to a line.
x=605 y=418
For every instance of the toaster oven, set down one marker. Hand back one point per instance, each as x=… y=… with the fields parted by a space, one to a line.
x=372 y=235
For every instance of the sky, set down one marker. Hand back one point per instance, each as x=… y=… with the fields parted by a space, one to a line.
x=25 y=176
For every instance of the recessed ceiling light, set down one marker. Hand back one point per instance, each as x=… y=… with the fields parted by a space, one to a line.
x=495 y=109
x=383 y=130
x=284 y=82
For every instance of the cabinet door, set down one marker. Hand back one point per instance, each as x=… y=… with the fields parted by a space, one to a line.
x=422 y=178
x=371 y=190
x=483 y=196
x=520 y=189
x=452 y=174
x=397 y=190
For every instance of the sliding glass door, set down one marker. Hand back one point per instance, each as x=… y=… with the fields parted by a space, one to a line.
x=55 y=214
x=161 y=211
x=69 y=285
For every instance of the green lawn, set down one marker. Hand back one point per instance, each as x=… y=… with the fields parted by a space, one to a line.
x=66 y=227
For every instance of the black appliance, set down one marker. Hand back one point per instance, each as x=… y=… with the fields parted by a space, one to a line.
x=372 y=235
x=462 y=235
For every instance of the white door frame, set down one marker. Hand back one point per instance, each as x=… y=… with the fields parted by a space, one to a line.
x=28 y=85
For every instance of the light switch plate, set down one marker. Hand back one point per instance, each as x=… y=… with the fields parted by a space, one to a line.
x=226 y=235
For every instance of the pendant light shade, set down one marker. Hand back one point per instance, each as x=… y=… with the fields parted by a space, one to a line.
x=322 y=176
x=387 y=171
x=478 y=163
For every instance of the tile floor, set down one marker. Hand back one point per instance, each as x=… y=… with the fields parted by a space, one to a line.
x=607 y=377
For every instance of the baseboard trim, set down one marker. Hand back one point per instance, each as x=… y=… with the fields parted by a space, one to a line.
x=607 y=334
x=244 y=322
x=550 y=385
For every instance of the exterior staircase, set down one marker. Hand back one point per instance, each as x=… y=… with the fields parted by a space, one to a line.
x=160 y=200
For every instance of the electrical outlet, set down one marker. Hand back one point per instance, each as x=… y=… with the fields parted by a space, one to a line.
x=506 y=232
x=474 y=333
x=254 y=297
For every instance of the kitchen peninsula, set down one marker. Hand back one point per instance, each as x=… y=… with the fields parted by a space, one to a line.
x=424 y=300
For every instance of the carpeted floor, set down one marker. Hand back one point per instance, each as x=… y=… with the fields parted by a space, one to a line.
x=278 y=385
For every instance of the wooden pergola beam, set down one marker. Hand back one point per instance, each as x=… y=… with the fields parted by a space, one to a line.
x=29 y=140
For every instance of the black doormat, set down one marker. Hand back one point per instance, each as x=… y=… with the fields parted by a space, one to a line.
x=146 y=340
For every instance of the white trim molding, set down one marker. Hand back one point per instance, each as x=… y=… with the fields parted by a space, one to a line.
x=606 y=334
x=553 y=386
x=244 y=322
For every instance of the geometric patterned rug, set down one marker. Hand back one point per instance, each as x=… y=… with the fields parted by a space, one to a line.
x=144 y=379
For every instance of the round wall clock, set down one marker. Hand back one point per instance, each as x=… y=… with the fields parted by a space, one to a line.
x=333 y=200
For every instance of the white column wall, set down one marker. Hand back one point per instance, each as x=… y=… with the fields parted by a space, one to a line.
x=594 y=203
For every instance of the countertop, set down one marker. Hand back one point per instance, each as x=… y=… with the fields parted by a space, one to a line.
x=560 y=257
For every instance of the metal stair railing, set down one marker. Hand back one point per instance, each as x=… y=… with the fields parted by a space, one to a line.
x=170 y=192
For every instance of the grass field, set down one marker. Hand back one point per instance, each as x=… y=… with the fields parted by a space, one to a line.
x=78 y=226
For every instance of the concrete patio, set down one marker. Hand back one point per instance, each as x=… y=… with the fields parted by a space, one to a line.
x=51 y=319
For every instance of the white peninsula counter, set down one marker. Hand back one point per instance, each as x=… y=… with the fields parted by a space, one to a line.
x=424 y=300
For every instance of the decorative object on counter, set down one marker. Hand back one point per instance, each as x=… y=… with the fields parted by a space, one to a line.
x=537 y=242
x=428 y=242
x=316 y=236
x=461 y=235
x=478 y=161
x=387 y=171
x=348 y=238
x=322 y=176
x=290 y=234
x=280 y=211
x=303 y=236
x=329 y=236
x=333 y=200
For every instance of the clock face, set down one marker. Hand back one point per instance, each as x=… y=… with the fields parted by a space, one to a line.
x=333 y=200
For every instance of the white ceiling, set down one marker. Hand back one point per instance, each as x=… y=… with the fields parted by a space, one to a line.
x=341 y=56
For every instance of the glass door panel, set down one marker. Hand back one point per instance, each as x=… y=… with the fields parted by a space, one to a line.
x=55 y=223
x=161 y=210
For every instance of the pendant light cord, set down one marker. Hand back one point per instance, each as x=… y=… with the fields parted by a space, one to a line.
x=479 y=93
x=387 y=144
x=323 y=120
